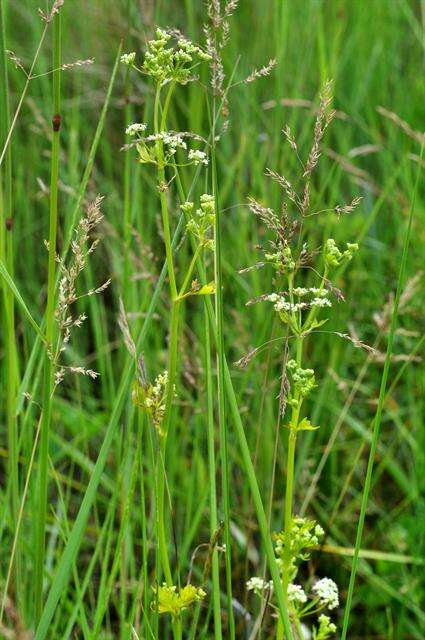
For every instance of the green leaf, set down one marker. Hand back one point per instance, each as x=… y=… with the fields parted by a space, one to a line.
x=305 y=425
x=206 y=290
x=318 y=323
x=7 y=278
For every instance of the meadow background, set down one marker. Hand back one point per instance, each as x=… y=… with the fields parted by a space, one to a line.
x=374 y=51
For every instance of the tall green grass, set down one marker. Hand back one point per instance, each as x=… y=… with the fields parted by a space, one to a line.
x=97 y=462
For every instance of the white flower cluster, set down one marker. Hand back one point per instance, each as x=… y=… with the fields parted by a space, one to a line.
x=171 y=140
x=327 y=592
x=281 y=304
x=320 y=302
x=128 y=58
x=135 y=128
x=198 y=157
x=300 y=292
x=258 y=585
x=318 y=299
x=296 y=593
x=318 y=296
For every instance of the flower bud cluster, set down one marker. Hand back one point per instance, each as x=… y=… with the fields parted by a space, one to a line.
x=202 y=221
x=165 y=63
x=334 y=257
x=326 y=628
x=152 y=397
x=128 y=58
x=303 y=380
x=303 y=535
x=282 y=260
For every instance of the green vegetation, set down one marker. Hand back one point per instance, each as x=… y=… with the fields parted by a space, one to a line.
x=211 y=242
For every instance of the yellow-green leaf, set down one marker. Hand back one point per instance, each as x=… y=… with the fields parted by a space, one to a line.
x=206 y=290
x=305 y=425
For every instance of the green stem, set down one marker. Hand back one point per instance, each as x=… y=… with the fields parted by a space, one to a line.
x=290 y=469
x=50 y=325
x=190 y=270
x=212 y=480
x=223 y=427
x=127 y=218
x=6 y=255
x=162 y=185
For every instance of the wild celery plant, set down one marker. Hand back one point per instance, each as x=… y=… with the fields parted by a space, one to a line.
x=168 y=63
x=300 y=308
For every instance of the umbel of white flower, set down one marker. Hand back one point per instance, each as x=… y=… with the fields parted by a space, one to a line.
x=258 y=585
x=327 y=592
x=135 y=128
x=198 y=157
x=296 y=594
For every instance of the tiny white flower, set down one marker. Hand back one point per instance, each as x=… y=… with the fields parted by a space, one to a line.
x=321 y=302
x=197 y=156
x=318 y=530
x=258 y=585
x=300 y=291
x=327 y=591
x=136 y=127
x=282 y=305
x=296 y=593
x=128 y=58
x=272 y=297
x=318 y=292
